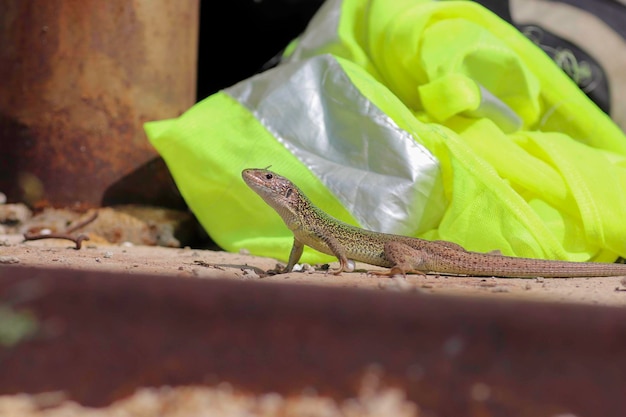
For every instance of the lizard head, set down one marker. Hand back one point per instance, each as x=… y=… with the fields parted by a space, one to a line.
x=277 y=191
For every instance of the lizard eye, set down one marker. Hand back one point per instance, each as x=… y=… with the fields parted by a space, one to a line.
x=289 y=191
x=269 y=176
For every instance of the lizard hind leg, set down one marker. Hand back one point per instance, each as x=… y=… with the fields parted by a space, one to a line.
x=405 y=260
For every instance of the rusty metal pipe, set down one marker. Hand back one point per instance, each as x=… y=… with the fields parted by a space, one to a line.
x=79 y=79
x=111 y=333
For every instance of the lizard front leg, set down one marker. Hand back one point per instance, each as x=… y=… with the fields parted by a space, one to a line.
x=295 y=254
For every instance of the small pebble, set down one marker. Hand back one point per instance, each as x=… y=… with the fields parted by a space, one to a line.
x=244 y=251
x=13 y=214
x=127 y=244
x=323 y=267
x=98 y=260
x=108 y=254
x=250 y=274
x=351 y=265
x=3 y=198
x=9 y=260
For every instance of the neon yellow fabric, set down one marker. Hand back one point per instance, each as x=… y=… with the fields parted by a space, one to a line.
x=449 y=95
x=553 y=189
x=534 y=192
x=206 y=160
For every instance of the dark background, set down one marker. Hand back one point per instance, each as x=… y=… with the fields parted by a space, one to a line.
x=238 y=37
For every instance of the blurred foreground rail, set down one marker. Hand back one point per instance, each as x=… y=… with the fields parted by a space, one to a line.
x=100 y=336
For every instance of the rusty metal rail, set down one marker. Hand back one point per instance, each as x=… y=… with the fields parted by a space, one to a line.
x=103 y=335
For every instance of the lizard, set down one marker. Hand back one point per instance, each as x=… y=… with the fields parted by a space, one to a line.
x=313 y=227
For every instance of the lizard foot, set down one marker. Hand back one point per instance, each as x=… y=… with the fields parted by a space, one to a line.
x=396 y=270
x=344 y=265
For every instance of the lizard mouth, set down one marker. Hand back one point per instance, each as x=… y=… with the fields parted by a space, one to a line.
x=259 y=180
x=252 y=178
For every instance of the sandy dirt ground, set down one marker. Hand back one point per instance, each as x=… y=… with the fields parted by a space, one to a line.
x=206 y=264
